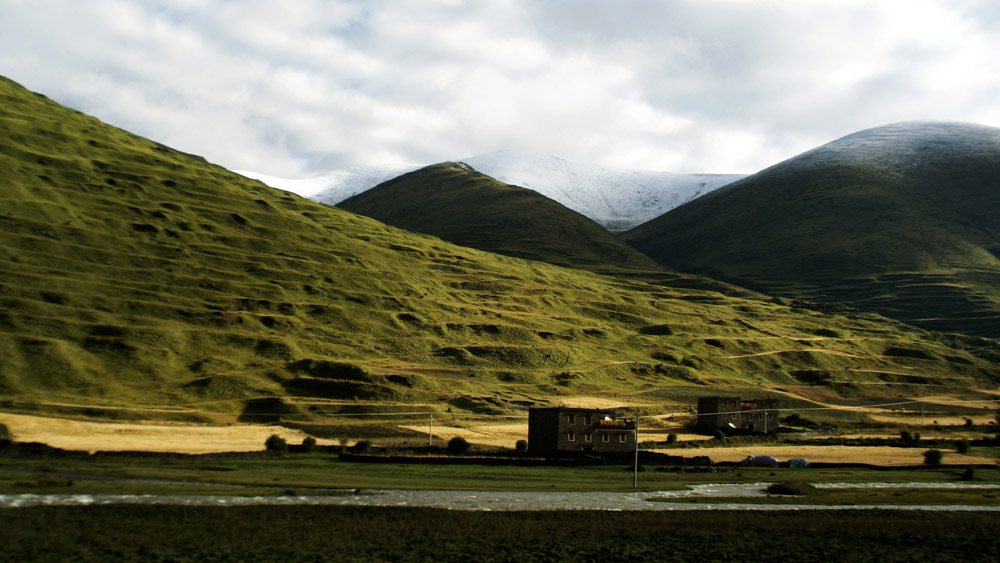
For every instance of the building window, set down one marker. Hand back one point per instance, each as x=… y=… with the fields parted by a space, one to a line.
x=586 y=437
x=605 y=437
x=571 y=418
x=586 y=419
x=570 y=436
x=623 y=438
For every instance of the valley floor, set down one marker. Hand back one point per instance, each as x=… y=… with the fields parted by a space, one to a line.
x=110 y=526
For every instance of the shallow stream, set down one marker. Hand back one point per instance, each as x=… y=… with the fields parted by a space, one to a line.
x=507 y=500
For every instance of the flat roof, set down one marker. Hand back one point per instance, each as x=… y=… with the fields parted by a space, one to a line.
x=570 y=409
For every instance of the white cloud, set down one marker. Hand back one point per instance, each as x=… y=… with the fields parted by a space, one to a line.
x=294 y=88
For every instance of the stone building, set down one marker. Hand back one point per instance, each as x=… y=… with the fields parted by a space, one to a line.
x=561 y=429
x=733 y=415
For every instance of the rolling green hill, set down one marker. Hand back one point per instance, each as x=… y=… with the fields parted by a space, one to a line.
x=901 y=220
x=137 y=276
x=454 y=202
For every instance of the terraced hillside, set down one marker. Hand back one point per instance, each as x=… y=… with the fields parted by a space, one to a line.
x=900 y=220
x=135 y=276
x=458 y=204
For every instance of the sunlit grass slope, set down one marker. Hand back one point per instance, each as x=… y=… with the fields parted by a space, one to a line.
x=903 y=220
x=458 y=204
x=135 y=275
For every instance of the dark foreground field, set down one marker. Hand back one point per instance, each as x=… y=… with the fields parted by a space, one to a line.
x=312 y=533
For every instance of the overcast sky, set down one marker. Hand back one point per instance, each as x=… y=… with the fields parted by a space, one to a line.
x=293 y=88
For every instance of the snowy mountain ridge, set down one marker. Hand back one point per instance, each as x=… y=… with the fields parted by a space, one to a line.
x=616 y=198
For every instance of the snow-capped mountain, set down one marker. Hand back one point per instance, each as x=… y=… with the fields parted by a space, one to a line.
x=335 y=186
x=617 y=198
x=899 y=219
x=903 y=146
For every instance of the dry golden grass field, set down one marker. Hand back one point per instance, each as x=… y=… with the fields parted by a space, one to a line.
x=195 y=439
x=111 y=436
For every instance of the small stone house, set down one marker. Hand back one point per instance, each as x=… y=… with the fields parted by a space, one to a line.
x=733 y=415
x=561 y=429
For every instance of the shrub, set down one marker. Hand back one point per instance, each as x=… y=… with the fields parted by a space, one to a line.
x=342 y=444
x=962 y=446
x=458 y=445
x=4 y=433
x=671 y=439
x=521 y=445
x=309 y=444
x=905 y=436
x=795 y=419
x=970 y=473
x=276 y=444
x=932 y=457
x=362 y=446
x=789 y=489
x=720 y=436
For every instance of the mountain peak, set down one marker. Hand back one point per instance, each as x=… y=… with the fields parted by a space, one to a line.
x=906 y=143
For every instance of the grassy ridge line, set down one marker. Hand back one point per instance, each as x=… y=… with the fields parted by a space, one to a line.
x=133 y=274
x=274 y=533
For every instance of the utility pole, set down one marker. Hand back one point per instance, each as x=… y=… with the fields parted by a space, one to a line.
x=635 y=469
x=430 y=431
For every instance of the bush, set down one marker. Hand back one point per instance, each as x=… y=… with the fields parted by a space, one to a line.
x=970 y=473
x=720 y=436
x=309 y=444
x=458 y=445
x=361 y=447
x=932 y=457
x=671 y=439
x=789 y=489
x=521 y=445
x=797 y=420
x=962 y=446
x=906 y=437
x=4 y=433
x=276 y=444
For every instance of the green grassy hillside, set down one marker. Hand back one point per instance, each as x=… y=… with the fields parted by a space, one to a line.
x=454 y=202
x=134 y=275
x=901 y=220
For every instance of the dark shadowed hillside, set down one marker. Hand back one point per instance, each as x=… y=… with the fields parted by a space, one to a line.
x=903 y=220
x=454 y=202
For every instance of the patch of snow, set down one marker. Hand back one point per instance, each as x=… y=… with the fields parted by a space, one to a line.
x=617 y=198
